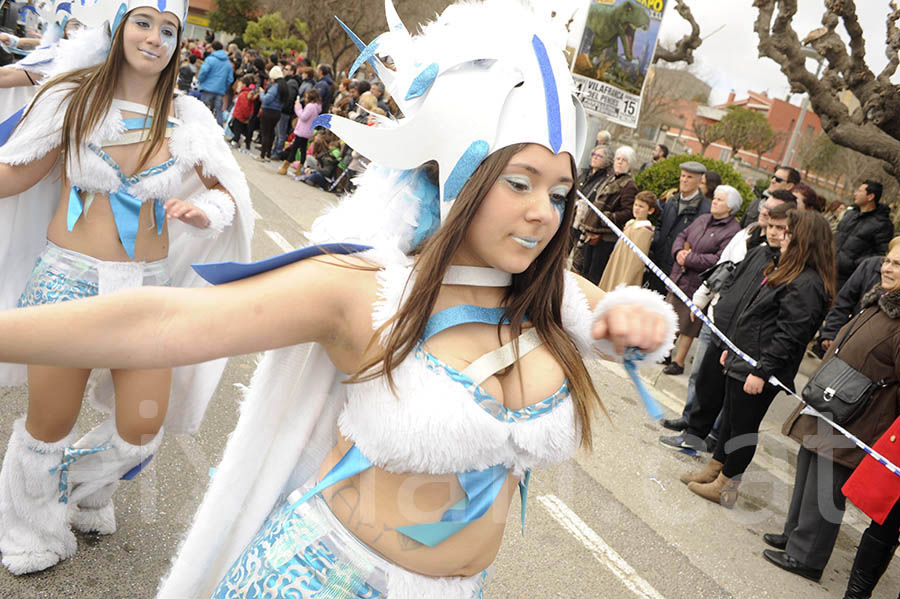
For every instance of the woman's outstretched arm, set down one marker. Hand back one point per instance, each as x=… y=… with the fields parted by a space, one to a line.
x=16 y=179
x=158 y=327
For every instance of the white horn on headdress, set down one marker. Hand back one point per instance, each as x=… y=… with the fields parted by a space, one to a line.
x=467 y=88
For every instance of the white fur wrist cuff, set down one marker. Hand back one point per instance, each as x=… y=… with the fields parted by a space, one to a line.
x=647 y=299
x=219 y=208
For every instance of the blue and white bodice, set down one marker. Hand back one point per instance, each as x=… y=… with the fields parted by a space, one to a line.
x=95 y=171
x=441 y=421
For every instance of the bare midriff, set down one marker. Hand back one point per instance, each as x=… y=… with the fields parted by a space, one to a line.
x=373 y=504
x=95 y=233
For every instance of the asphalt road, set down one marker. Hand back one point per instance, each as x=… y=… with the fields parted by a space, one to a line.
x=615 y=523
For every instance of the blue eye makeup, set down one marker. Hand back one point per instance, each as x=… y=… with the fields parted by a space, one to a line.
x=558 y=196
x=517 y=183
x=141 y=22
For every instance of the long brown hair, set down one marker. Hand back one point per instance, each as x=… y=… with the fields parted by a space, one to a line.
x=92 y=95
x=537 y=292
x=810 y=245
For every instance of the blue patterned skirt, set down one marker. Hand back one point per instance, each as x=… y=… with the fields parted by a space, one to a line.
x=305 y=553
x=61 y=275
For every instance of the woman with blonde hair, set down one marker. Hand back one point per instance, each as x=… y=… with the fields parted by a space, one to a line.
x=122 y=172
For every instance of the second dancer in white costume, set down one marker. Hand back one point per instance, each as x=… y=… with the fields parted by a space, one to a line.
x=119 y=184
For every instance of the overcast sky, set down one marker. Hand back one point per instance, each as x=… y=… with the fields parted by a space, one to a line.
x=729 y=60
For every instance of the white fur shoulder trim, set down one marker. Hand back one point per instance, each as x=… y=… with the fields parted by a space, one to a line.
x=218 y=207
x=395 y=281
x=624 y=296
x=381 y=212
x=40 y=130
x=86 y=48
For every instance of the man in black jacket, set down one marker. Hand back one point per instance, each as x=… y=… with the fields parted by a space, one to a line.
x=865 y=230
x=677 y=213
x=846 y=304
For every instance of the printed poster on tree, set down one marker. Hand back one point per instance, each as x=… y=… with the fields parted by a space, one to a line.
x=611 y=53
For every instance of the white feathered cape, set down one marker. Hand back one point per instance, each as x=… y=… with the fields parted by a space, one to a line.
x=24 y=220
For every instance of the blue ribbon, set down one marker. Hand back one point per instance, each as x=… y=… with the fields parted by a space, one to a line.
x=126 y=211
x=351 y=464
x=75 y=209
x=70 y=456
x=7 y=126
x=629 y=361
x=728 y=342
x=481 y=488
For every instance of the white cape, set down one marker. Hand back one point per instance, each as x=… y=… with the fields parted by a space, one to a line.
x=23 y=228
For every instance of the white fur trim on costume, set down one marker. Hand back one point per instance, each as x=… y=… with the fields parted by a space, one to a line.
x=35 y=532
x=219 y=209
x=576 y=314
x=93 y=472
x=403 y=584
x=380 y=212
x=39 y=131
x=395 y=281
x=85 y=48
x=650 y=300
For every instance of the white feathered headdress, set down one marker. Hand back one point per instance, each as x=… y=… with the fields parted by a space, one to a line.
x=482 y=76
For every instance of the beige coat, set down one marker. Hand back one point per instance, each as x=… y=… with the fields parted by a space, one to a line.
x=624 y=266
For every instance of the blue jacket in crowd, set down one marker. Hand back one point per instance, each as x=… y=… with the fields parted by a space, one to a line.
x=323 y=86
x=270 y=99
x=216 y=74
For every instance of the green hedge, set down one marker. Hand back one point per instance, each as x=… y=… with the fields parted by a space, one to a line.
x=664 y=175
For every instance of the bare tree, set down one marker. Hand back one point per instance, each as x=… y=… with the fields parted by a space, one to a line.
x=684 y=48
x=665 y=91
x=707 y=134
x=327 y=41
x=873 y=129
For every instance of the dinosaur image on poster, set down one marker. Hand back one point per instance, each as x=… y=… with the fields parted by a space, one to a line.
x=613 y=54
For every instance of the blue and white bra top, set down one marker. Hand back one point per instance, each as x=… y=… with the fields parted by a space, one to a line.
x=97 y=172
x=441 y=421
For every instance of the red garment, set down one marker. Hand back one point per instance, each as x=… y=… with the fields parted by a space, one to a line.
x=872 y=487
x=243 y=106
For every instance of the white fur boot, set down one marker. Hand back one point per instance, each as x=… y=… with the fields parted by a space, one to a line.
x=34 y=532
x=94 y=478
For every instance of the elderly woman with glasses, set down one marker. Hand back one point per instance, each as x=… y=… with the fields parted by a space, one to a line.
x=615 y=198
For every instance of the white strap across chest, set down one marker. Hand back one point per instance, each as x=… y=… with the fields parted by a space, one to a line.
x=490 y=363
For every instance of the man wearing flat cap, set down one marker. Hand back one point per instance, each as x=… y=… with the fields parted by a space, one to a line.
x=677 y=213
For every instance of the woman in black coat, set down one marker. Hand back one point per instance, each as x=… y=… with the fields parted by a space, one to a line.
x=775 y=313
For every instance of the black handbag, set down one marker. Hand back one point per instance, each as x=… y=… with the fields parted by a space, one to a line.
x=717 y=275
x=839 y=389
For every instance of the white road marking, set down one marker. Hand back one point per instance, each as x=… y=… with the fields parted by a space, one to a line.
x=280 y=241
x=256 y=214
x=605 y=554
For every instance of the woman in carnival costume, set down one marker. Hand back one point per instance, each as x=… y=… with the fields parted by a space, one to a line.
x=442 y=365
x=119 y=184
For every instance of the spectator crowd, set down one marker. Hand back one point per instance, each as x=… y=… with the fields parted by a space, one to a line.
x=792 y=276
x=268 y=102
